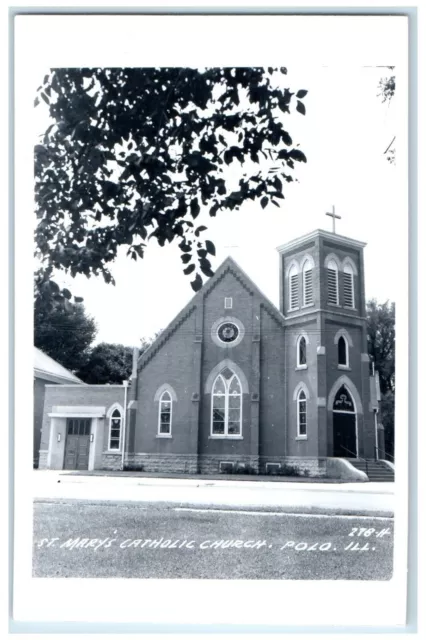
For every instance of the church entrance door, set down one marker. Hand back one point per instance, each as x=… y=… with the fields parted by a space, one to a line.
x=77 y=446
x=345 y=443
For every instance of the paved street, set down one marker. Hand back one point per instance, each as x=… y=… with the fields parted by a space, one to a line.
x=369 y=497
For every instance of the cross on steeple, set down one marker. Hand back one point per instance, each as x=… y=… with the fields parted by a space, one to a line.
x=334 y=216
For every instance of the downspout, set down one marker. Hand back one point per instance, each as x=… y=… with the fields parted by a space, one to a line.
x=123 y=438
x=375 y=432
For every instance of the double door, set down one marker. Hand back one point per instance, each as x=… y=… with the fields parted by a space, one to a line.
x=77 y=446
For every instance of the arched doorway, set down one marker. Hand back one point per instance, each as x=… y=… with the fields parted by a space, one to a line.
x=345 y=441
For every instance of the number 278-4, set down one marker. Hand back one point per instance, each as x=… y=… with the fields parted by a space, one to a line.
x=366 y=533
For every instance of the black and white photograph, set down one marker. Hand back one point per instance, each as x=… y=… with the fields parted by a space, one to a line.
x=217 y=275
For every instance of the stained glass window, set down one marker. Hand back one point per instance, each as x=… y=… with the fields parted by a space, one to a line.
x=165 y=414
x=301 y=413
x=115 y=429
x=343 y=401
x=226 y=405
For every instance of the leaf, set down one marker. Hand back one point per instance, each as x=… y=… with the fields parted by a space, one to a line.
x=197 y=283
x=207 y=270
x=300 y=107
x=286 y=138
x=195 y=208
x=198 y=230
x=301 y=94
x=184 y=246
x=67 y=294
x=78 y=299
x=189 y=269
x=210 y=247
x=298 y=155
x=264 y=202
x=185 y=258
x=45 y=98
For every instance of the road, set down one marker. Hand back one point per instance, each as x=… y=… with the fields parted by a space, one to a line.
x=140 y=539
x=369 y=497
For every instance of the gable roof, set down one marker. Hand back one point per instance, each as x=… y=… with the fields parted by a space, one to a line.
x=229 y=265
x=47 y=368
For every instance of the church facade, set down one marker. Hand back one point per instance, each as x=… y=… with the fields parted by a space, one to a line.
x=235 y=384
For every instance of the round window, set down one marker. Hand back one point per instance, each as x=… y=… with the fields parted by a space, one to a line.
x=228 y=332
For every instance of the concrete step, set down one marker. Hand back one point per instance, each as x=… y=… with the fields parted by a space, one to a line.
x=377 y=470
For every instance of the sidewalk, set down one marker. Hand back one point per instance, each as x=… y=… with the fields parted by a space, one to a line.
x=368 y=497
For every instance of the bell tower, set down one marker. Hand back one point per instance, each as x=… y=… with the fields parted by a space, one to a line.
x=327 y=365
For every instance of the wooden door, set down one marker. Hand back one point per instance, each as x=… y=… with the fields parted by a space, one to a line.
x=344 y=435
x=77 y=446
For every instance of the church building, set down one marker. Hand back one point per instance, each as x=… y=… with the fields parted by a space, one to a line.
x=236 y=385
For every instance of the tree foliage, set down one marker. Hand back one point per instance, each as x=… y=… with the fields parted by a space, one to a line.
x=386 y=87
x=381 y=341
x=134 y=154
x=107 y=364
x=65 y=334
x=388 y=421
x=381 y=347
x=111 y=363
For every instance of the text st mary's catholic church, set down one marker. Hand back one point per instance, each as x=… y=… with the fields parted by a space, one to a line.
x=234 y=384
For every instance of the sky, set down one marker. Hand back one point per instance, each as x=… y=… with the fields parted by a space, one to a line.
x=344 y=135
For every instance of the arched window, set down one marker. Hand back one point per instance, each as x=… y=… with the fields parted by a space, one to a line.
x=301 y=414
x=301 y=352
x=115 y=421
x=226 y=405
x=293 y=288
x=332 y=283
x=342 y=352
x=307 y=282
x=348 y=286
x=165 y=414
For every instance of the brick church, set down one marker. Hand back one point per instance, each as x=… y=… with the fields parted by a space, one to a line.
x=236 y=385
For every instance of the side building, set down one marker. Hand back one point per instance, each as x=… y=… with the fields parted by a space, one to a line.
x=46 y=372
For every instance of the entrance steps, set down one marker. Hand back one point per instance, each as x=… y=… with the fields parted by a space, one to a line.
x=376 y=470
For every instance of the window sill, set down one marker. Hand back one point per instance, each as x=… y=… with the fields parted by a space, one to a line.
x=301 y=367
x=292 y=310
x=334 y=304
x=223 y=437
x=343 y=367
x=310 y=304
x=301 y=437
x=349 y=308
x=116 y=452
x=163 y=435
